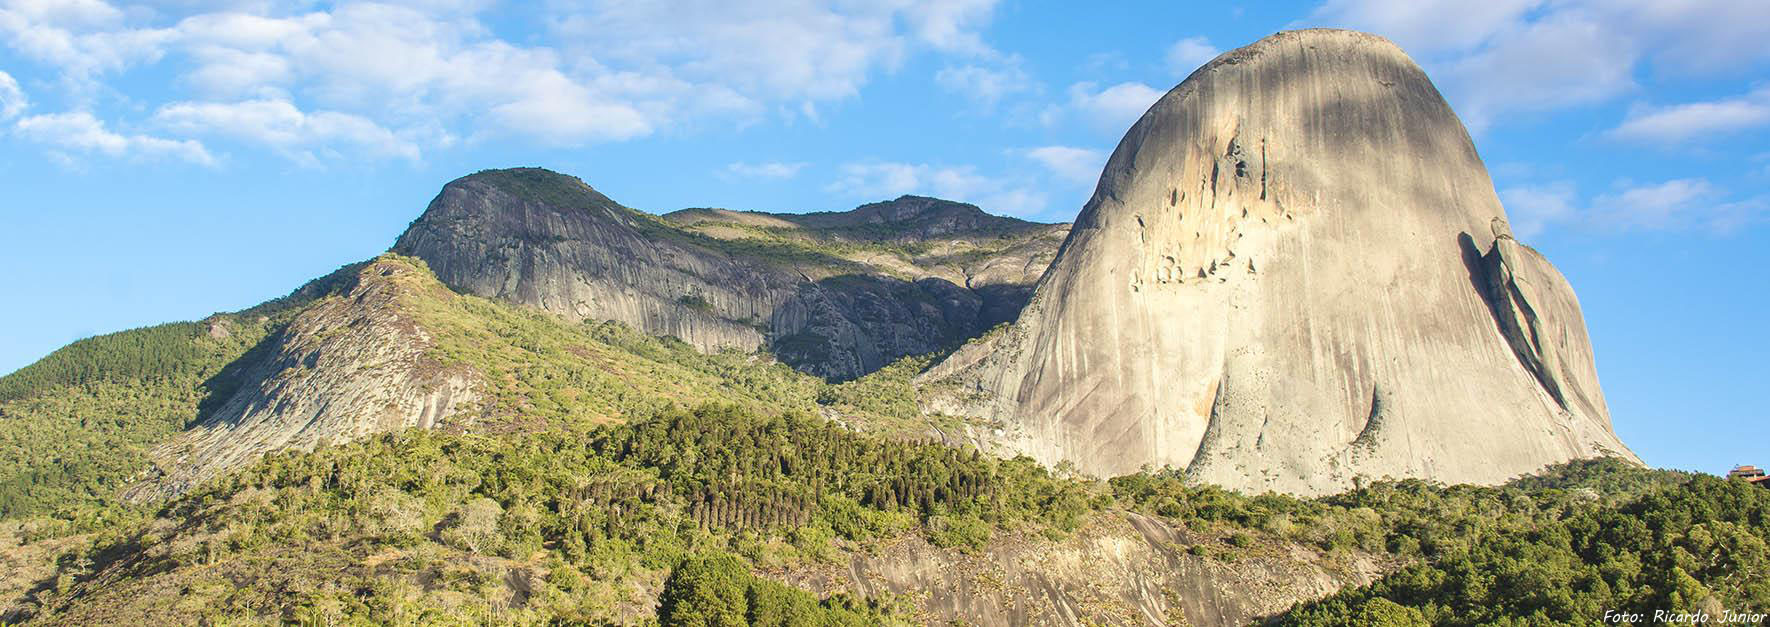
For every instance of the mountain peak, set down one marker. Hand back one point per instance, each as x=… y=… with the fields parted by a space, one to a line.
x=532 y=185
x=1289 y=277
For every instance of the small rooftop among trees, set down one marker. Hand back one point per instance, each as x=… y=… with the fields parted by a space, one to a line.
x=1750 y=474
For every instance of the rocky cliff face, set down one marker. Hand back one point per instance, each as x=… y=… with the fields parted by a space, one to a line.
x=1293 y=273
x=547 y=240
x=834 y=294
x=353 y=364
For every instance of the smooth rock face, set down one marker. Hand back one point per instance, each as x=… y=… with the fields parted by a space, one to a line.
x=353 y=365
x=725 y=279
x=1293 y=273
x=538 y=238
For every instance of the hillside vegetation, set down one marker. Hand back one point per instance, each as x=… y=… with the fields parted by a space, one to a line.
x=77 y=424
x=621 y=478
x=1620 y=540
x=687 y=513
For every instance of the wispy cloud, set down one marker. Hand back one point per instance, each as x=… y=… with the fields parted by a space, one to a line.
x=1685 y=122
x=1188 y=54
x=281 y=125
x=769 y=170
x=12 y=98
x=1074 y=165
x=80 y=132
x=1113 y=108
x=986 y=85
x=419 y=74
x=1505 y=57
x=1673 y=205
x=1532 y=209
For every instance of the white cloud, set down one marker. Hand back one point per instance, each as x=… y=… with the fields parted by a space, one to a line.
x=1553 y=63
x=1533 y=208
x=952 y=25
x=985 y=85
x=796 y=50
x=81 y=132
x=1503 y=57
x=766 y=170
x=228 y=72
x=1698 y=36
x=1679 y=123
x=281 y=125
x=67 y=12
x=878 y=179
x=550 y=107
x=1426 y=26
x=1114 y=108
x=960 y=183
x=601 y=70
x=1655 y=206
x=12 y=98
x=1075 y=165
x=81 y=38
x=1188 y=54
x=1101 y=62
x=1673 y=205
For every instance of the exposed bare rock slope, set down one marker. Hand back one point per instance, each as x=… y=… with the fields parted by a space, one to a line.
x=1122 y=569
x=353 y=364
x=1294 y=272
x=834 y=294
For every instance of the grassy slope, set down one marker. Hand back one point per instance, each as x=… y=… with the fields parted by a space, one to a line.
x=544 y=371
x=547 y=372
x=848 y=250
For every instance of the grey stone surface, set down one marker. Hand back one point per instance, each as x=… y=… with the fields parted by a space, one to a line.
x=832 y=294
x=1288 y=278
x=353 y=365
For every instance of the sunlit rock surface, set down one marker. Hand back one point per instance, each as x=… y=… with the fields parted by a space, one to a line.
x=1294 y=273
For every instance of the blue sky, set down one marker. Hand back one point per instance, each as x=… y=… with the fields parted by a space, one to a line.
x=167 y=160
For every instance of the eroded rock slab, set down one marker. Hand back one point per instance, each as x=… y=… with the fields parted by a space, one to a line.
x=354 y=364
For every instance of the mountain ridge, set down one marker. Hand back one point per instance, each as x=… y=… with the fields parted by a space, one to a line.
x=804 y=286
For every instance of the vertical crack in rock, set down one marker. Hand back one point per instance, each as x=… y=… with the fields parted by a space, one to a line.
x=1513 y=291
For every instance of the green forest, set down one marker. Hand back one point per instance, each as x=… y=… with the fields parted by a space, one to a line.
x=77 y=424
x=696 y=503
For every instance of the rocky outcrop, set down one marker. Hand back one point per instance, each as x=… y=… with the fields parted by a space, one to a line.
x=833 y=294
x=533 y=237
x=1123 y=569
x=1533 y=304
x=1288 y=278
x=353 y=364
